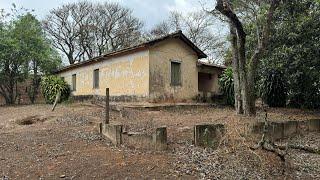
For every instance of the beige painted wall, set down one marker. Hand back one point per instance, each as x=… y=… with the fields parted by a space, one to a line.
x=127 y=75
x=160 y=70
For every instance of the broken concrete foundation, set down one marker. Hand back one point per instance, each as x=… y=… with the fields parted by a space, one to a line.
x=285 y=129
x=156 y=141
x=112 y=132
x=208 y=135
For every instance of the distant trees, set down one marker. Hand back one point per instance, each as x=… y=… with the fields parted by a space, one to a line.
x=198 y=27
x=84 y=30
x=24 y=52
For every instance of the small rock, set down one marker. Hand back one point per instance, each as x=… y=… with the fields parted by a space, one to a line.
x=62 y=176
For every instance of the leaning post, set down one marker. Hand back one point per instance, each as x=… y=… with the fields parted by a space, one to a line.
x=107 y=107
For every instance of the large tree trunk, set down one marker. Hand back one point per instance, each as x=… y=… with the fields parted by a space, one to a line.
x=235 y=67
x=35 y=83
x=245 y=73
x=240 y=55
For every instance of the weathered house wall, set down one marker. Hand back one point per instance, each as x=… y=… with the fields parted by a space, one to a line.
x=126 y=75
x=209 y=83
x=161 y=56
x=164 y=69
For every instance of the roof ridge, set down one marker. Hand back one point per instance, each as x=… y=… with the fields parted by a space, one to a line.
x=146 y=44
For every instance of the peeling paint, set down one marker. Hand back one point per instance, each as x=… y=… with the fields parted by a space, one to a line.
x=125 y=75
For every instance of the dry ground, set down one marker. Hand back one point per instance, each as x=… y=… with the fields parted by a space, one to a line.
x=36 y=143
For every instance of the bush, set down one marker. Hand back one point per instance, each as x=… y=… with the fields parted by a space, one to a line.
x=227 y=86
x=273 y=88
x=51 y=85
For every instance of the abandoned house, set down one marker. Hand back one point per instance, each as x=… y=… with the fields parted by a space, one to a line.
x=163 y=69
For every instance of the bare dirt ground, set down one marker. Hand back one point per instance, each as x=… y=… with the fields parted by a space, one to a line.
x=36 y=143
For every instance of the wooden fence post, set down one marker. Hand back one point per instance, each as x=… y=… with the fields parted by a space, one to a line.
x=107 y=107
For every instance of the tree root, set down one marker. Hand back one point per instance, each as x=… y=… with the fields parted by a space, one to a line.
x=271 y=147
x=307 y=149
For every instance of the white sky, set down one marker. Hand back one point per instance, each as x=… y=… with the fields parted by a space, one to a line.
x=149 y=11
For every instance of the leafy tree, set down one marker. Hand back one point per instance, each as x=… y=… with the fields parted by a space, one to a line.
x=227 y=86
x=294 y=50
x=41 y=58
x=12 y=63
x=24 y=51
x=244 y=64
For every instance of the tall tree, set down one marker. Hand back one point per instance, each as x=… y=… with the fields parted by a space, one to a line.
x=244 y=67
x=12 y=63
x=41 y=57
x=23 y=51
x=294 y=50
x=84 y=30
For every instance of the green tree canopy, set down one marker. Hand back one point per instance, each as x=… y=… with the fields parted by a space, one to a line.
x=295 y=50
x=24 y=52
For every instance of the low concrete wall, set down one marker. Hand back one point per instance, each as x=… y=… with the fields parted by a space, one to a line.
x=112 y=132
x=155 y=141
x=208 y=135
x=286 y=129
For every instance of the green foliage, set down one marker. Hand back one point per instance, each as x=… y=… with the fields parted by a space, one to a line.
x=40 y=55
x=24 y=53
x=51 y=85
x=227 y=86
x=294 y=49
x=273 y=88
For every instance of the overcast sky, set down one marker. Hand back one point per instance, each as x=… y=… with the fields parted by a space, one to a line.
x=149 y=11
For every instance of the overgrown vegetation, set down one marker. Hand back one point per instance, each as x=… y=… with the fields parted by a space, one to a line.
x=51 y=86
x=287 y=71
x=273 y=88
x=25 y=53
x=227 y=86
x=294 y=50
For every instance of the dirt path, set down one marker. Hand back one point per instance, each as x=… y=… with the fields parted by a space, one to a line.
x=36 y=143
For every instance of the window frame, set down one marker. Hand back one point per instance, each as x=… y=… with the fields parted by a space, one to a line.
x=74 y=82
x=96 y=82
x=179 y=63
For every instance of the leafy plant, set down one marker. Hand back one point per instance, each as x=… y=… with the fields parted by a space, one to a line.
x=294 y=49
x=273 y=88
x=227 y=86
x=51 y=85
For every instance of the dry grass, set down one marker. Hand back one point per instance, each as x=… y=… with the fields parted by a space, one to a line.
x=66 y=143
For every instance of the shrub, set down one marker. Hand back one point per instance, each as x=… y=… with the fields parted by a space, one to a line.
x=227 y=86
x=273 y=88
x=51 y=85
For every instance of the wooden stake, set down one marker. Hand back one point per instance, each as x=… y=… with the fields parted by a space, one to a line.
x=107 y=107
x=58 y=96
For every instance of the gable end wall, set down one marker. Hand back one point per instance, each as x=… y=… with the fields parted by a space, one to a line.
x=160 y=71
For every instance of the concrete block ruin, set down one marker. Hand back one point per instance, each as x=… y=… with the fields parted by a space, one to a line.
x=112 y=132
x=285 y=129
x=208 y=135
x=155 y=141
